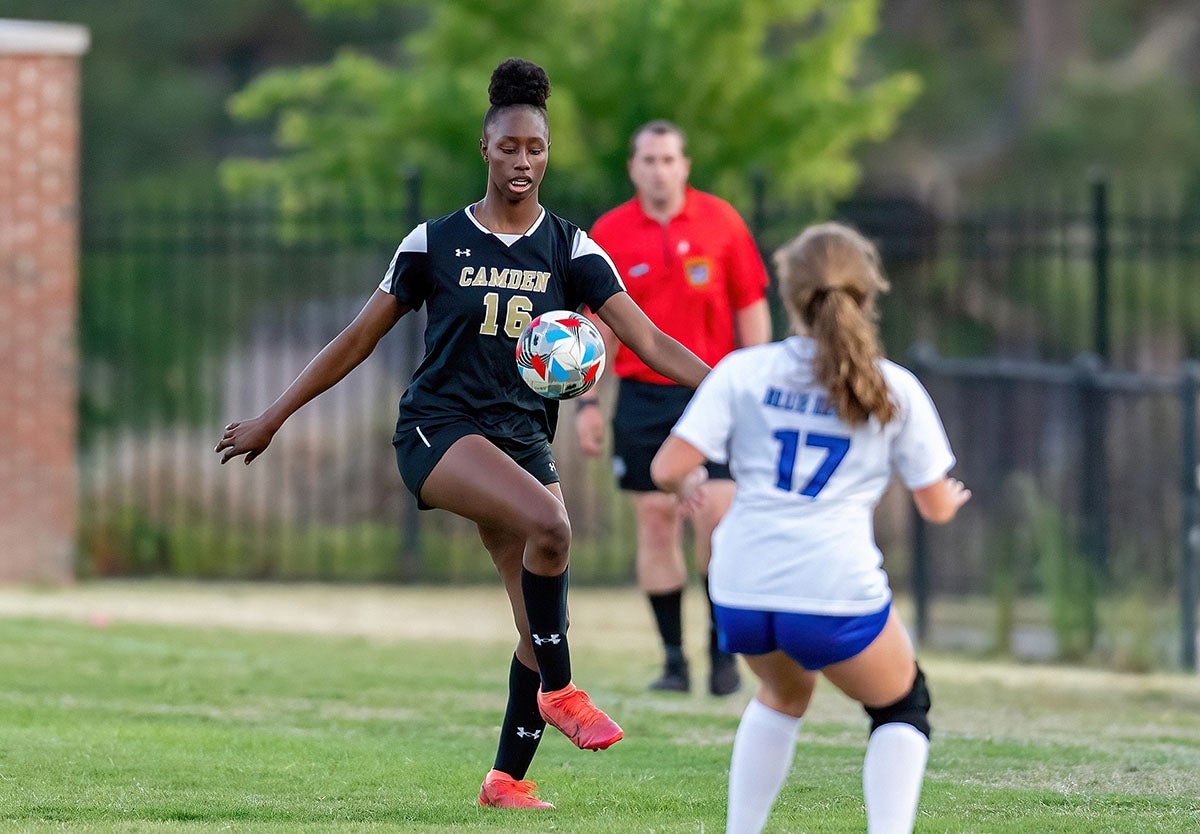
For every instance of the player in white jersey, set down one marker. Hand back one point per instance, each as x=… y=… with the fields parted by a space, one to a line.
x=813 y=428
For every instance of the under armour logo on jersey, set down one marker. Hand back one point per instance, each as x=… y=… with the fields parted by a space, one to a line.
x=553 y=639
x=462 y=253
x=523 y=733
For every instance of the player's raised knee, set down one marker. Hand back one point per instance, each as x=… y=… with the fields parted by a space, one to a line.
x=549 y=531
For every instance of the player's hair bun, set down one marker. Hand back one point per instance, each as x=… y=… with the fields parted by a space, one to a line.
x=517 y=81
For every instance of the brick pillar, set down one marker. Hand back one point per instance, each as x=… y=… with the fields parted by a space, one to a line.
x=39 y=282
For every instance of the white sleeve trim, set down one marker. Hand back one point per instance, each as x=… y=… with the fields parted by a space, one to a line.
x=584 y=245
x=415 y=241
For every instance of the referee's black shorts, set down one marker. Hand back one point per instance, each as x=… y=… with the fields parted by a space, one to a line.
x=643 y=418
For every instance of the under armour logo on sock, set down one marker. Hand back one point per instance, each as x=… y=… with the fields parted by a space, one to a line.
x=553 y=639
x=523 y=733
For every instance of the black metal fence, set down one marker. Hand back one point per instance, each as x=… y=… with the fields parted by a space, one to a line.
x=1089 y=498
x=196 y=312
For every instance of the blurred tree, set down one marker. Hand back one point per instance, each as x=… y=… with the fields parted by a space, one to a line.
x=1025 y=93
x=771 y=85
x=1031 y=94
x=158 y=75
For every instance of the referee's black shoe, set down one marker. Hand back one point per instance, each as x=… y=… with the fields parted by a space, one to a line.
x=675 y=677
x=724 y=678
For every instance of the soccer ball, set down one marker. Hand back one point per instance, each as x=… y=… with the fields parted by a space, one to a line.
x=560 y=355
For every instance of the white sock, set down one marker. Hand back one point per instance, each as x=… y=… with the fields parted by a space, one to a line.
x=892 y=773
x=762 y=755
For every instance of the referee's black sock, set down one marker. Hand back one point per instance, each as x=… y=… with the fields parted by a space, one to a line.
x=523 y=723
x=546 y=610
x=668 y=615
x=714 y=648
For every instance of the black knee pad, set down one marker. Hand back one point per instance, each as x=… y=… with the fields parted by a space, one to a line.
x=912 y=709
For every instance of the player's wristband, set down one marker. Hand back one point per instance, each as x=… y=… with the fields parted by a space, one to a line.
x=586 y=404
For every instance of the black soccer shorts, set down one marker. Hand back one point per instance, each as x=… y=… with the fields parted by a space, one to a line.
x=418 y=450
x=643 y=418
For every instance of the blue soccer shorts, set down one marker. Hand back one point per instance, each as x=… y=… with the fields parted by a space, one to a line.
x=812 y=640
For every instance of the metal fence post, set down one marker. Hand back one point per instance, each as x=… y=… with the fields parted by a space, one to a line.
x=412 y=558
x=1100 y=253
x=1094 y=475
x=758 y=196
x=920 y=358
x=1189 y=389
x=1093 y=478
x=920 y=575
x=1095 y=418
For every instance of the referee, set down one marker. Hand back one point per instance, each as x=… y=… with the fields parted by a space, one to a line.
x=691 y=264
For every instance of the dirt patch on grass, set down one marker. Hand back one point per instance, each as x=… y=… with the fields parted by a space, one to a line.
x=615 y=617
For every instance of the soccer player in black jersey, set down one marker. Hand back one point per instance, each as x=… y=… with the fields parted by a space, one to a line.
x=471 y=438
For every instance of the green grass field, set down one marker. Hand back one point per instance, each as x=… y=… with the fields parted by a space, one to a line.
x=323 y=712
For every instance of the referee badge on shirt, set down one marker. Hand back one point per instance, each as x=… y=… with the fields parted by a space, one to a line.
x=697 y=270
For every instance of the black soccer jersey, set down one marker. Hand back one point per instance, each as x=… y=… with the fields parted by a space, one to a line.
x=482 y=289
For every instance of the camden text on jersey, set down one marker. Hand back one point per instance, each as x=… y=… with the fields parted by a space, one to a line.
x=528 y=280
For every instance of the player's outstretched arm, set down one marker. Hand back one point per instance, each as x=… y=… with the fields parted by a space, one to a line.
x=939 y=502
x=655 y=348
x=338 y=358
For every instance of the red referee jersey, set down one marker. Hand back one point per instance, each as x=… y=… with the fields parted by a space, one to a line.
x=689 y=276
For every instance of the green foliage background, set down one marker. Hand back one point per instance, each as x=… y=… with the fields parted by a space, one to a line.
x=1116 y=87
x=759 y=86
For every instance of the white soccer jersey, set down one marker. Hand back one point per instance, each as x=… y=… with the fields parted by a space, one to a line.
x=799 y=536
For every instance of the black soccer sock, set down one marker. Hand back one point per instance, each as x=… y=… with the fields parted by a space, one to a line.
x=714 y=645
x=668 y=614
x=546 y=610
x=523 y=724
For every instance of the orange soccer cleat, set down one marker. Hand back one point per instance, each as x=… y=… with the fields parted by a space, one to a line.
x=572 y=712
x=502 y=791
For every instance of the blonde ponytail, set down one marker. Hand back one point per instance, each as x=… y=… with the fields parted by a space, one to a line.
x=829 y=277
